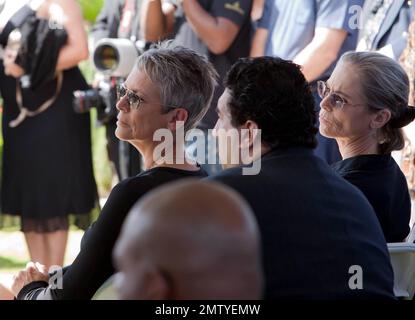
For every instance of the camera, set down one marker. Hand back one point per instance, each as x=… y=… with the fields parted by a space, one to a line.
x=103 y=98
x=116 y=57
x=113 y=59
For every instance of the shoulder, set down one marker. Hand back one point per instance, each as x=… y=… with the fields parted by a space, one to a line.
x=123 y=196
x=134 y=184
x=233 y=174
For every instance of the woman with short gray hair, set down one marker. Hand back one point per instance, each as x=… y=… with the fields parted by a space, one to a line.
x=364 y=107
x=168 y=88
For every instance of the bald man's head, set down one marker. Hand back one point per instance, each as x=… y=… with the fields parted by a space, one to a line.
x=190 y=240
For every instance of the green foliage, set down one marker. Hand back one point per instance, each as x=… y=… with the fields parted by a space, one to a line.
x=11 y=263
x=91 y=9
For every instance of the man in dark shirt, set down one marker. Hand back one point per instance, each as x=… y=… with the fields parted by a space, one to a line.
x=320 y=236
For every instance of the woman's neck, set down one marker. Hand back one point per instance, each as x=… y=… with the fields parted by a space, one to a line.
x=177 y=160
x=357 y=146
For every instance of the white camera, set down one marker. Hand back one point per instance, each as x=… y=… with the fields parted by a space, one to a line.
x=116 y=57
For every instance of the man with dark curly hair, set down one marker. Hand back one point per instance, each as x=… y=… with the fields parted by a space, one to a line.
x=320 y=236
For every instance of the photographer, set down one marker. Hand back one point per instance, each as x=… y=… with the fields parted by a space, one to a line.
x=47 y=162
x=118 y=19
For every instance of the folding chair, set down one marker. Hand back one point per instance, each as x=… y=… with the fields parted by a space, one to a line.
x=403 y=264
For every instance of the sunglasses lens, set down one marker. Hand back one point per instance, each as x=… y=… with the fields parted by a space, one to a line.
x=321 y=89
x=337 y=101
x=133 y=100
x=121 y=91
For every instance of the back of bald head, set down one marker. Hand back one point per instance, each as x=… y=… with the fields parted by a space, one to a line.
x=204 y=237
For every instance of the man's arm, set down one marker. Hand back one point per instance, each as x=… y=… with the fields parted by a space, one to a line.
x=218 y=33
x=321 y=52
x=259 y=42
x=157 y=20
x=331 y=30
x=76 y=49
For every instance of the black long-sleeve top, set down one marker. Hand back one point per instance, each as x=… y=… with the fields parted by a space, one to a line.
x=384 y=185
x=93 y=265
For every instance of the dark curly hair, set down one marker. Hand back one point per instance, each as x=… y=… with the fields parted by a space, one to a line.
x=275 y=95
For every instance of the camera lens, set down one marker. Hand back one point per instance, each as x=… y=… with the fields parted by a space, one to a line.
x=106 y=58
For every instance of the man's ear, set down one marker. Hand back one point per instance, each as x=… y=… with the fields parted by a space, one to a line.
x=380 y=118
x=176 y=116
x=249 y=132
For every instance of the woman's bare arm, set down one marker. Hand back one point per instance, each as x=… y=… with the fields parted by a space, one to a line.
x=68 y=13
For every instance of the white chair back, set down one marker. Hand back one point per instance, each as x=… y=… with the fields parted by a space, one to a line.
x=403 y=264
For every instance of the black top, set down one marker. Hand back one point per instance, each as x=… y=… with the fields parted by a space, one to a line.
x=93 y=265
x=47 y=169
x=384 y=185
x=315 y=226
x=236 y=11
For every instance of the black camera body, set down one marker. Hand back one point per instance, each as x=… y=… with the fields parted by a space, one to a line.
x=114 y=59
x=103 y=98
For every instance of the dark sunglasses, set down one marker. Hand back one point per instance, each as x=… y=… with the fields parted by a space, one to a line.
x=133 y=99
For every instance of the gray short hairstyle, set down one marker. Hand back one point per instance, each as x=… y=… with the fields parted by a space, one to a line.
x=185 y=78
x=384 y=85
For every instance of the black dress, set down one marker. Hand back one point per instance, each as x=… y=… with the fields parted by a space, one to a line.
x=384 y=185
x=47 y=169
x=93 y=265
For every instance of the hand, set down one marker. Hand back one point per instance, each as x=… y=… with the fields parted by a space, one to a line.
x=36 y=272
x=19 y=281
x=33 y=272
x=11 y=68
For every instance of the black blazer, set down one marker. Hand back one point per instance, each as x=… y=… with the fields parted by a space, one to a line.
x=394 y=28
x=315 y=228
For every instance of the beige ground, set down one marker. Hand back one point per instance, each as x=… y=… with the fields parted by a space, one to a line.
x=12 y=245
